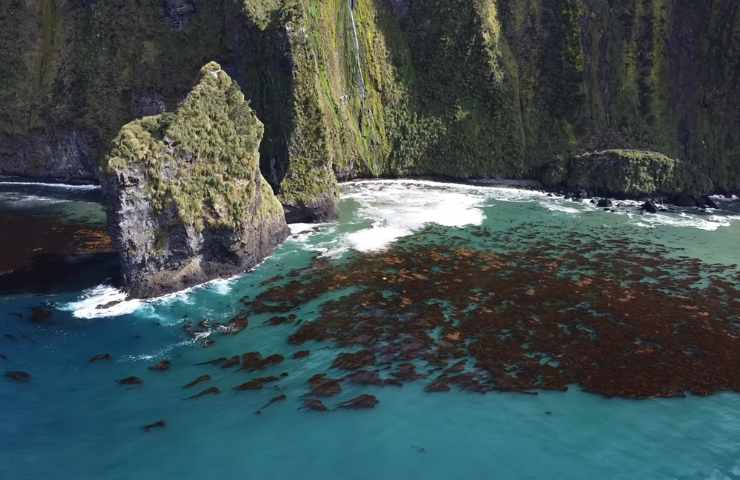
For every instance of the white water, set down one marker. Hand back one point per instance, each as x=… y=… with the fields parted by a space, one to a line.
x=63 y=186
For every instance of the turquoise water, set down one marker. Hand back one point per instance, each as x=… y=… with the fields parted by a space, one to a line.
x=72 y=420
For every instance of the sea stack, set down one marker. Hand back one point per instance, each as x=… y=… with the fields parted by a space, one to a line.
x=186 y=200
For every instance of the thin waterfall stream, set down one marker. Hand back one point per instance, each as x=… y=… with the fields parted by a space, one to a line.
x=360 y=79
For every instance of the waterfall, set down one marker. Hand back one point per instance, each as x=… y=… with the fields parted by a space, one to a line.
x=360 y=79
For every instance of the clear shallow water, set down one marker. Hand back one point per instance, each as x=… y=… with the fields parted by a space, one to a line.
x=73 y=421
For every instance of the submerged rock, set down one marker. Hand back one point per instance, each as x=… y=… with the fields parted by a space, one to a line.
x=187 y=202
x=707 y=202
x=649 y=207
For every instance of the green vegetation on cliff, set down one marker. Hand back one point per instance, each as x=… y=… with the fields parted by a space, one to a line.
x=458 y=88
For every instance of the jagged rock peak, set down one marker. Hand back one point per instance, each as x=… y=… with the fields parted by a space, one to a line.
x=187 y=202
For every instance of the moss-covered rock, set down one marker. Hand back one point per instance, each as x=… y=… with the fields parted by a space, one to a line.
x=623 y=173
x=187 y=200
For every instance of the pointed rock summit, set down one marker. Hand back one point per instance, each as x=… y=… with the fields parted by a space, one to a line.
x=187 y=202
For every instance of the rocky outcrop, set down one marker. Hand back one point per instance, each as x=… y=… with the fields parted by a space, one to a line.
x=624 y=174
x=629 y=173
x=187 y=202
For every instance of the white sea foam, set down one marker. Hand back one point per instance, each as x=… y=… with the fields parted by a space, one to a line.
x=28 y=201
x=395 y=209
x=107 y=301
x=559 y=207
x=102 y=301
x=162 y=352
x=222 y=286
x=299 y=228
x=709 y=223
x=62 y=186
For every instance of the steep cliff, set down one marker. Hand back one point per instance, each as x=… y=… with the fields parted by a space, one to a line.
x=187 y=202
x=458 y=88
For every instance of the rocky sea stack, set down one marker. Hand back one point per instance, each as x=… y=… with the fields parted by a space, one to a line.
x=187 y=202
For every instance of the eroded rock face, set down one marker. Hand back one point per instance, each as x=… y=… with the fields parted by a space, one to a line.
x=63 y=155
x=187 y=202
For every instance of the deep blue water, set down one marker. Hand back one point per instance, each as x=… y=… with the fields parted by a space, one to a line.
x=72 y=421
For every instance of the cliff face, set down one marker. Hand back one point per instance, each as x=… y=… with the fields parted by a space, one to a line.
x=187 y=202
x=447 y=87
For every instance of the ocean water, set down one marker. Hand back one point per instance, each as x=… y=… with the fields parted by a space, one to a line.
x=73 y=421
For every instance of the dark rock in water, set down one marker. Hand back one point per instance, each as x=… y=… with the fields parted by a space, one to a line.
x=273 y=400
x=579 y=194
x=683 y=200
x=204 y=393
x=101 y=357
x=360 y=403
x=604 y=203
x=314 y=405
x=354 y=361
x=3 y=357
x=18 y=376
x=649 y=207
x=130 y=381
x=40 y=315
x=319 y=209
x=173 y=225
x=197 y=381
x=152 y=426
x=256 y=383
x=162 y=366
x=301 y=354
x=108 y=305
x=707 y=202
